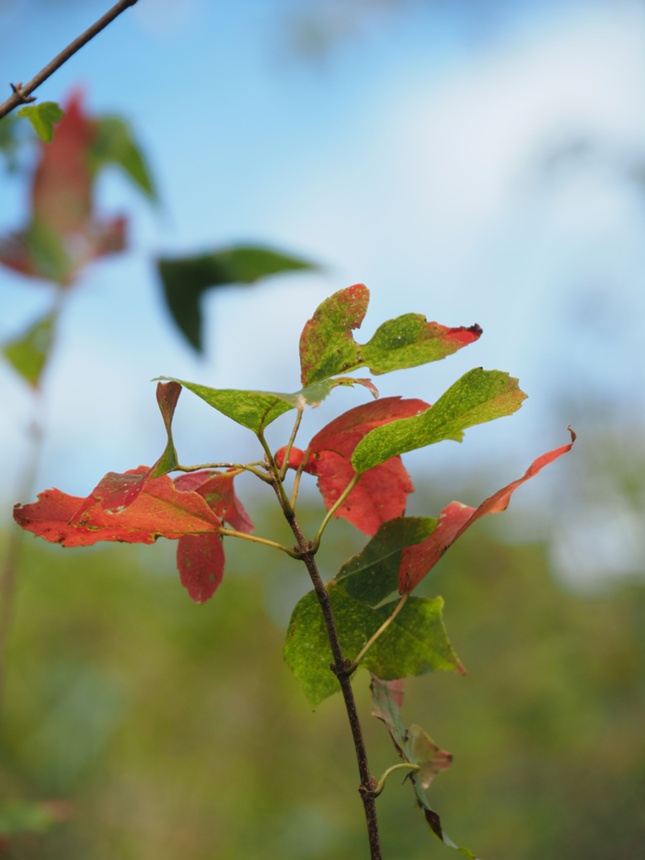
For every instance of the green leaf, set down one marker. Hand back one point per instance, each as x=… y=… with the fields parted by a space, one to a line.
x=257 y=409
x=114 y=145
x=415 y=642
x=479 y=396
x=42 y=116
x=28 y=353
x=9 y=140
x=327 y=346
x=373 y=574
x=186 y=279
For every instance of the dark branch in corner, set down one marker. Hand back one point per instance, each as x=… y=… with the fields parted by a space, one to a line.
x=22 y=94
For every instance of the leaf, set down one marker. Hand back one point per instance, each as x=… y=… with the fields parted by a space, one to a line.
x=417 y=561
x=415 y=642
x=424 y=752
x=373 y=574
x=218 y=491
x=257 y=409
x=42 y=117
x=478 y=396
x=113 y=144
x=416 y=747
x=167 y=397
x=186 y=279
x=327 y=346
x=200 y=561
x=326 y=343
x=159 y=510
x=63 y=233
x=28 y=353
x=381 y=493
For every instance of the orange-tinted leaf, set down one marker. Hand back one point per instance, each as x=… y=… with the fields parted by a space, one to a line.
x=200 y=561
x=418 y=560
x=160 y=510
x=381 y=492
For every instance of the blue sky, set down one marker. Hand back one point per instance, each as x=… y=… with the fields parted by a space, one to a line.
x=411 y=157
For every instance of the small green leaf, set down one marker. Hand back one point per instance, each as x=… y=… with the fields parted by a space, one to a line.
x=479 y=396
x=373 y=574
x=186 y=279
x=42 y=117
x=257 y=409
x=415 y=642
x=28 y=353
x=114 y=145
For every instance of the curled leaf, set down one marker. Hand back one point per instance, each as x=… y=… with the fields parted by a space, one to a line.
x=418 y=560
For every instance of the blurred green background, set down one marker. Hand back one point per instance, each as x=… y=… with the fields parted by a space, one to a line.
x=173 y=729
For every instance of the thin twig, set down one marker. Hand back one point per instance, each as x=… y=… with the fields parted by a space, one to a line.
x=339 y=666
x=330 y=513
x=265 y=541
x=21 y=94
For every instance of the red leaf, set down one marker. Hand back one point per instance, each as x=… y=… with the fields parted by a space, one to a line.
x=418 y=560
x=381 y=492
x=218 y=491
x=160 y=510
x=200 y=561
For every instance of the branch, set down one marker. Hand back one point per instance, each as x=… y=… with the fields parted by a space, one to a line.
x=22 y=95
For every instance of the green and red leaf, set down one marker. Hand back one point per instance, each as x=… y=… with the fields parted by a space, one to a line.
x=327 y=346
x=418 y=560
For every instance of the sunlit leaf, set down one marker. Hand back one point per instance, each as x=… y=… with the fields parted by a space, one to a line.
x=257 y=409
x=327 y=346
x=478 y=396
x=186 y=279
x=42 y=116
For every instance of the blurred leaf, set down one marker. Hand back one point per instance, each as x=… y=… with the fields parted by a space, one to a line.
x=42 y=116
x=28 y=353
x=9 y=141
x=114 y=145
x=327 y=346
x=415 y=642
x=185 y=279
x=478 y=396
